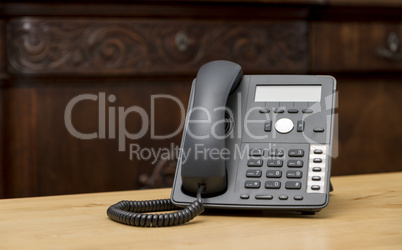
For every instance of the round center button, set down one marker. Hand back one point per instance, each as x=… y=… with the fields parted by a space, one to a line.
x=284 y=125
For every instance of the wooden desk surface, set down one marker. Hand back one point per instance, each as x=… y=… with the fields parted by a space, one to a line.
x=364 y=212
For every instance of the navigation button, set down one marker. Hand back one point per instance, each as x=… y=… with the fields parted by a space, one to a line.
x=267 y=126
x=300 y=126
x=284 y=125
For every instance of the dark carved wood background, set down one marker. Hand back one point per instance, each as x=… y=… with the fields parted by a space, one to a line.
x=121 y=46
x=53 y=52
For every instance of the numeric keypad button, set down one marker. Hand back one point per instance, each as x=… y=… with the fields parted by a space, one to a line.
x=253 y=173
x=296 y=153
x=296 y=174
x=276 y=152
x=274 y=174
x=295 y=163
x=252 y=184
x=272 y=184
x=293 y=185
x=274 y=163
x=254 y=163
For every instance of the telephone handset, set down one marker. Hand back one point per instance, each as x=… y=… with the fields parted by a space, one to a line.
x=249 y=142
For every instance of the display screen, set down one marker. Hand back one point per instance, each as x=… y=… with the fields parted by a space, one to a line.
x=288 y=93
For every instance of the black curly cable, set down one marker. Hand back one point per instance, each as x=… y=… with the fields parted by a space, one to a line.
x=132 y=212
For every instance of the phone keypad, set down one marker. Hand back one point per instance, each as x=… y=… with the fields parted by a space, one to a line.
x=275 y=153
x=285 y=173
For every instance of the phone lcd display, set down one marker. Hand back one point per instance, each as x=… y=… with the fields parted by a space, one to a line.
x=288 y=93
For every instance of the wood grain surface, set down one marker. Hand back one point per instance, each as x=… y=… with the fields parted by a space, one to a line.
x=364 y=212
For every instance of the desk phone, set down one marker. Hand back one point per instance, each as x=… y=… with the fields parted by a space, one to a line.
x=249 y=142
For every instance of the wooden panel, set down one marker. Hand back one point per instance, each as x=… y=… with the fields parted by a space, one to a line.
x=2 y=76
x=44 y=158
x=371 y=3
x=370 y=131
x=356 y=47
x=115 y=47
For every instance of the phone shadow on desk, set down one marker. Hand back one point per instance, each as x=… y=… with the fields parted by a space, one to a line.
x=267 y=214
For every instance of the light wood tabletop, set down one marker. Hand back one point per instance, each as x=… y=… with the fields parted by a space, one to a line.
x=364 y=212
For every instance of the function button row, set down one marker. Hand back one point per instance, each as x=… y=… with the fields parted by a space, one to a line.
x=281 y=110
x=270 y=197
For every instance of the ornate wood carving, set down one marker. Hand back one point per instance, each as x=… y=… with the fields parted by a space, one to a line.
x=129 y=46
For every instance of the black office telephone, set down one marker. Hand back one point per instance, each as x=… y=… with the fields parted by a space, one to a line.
x=249 y=142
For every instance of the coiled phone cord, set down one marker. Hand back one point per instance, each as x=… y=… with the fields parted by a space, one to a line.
x=132 y=212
